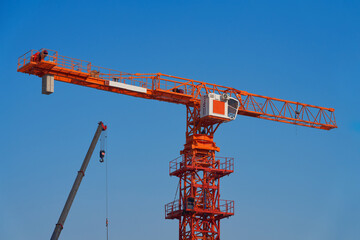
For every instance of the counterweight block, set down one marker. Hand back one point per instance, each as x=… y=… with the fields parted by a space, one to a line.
x=47 y=84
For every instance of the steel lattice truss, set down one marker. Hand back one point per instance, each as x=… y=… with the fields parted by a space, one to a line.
x=176 y=90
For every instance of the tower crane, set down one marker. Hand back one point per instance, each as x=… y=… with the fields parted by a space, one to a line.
x=198 y=208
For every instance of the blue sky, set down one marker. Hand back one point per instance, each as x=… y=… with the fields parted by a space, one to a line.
x=289 y=183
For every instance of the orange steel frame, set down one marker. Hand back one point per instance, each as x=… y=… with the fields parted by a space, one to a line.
x=198 y=208
x=199 y=173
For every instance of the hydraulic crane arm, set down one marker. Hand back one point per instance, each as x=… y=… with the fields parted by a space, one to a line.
x=172 y=89
x=81 y=173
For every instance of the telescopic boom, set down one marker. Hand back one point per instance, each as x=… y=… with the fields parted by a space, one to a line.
x=81 y=173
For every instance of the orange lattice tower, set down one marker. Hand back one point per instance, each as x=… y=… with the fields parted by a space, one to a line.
x=199 y=207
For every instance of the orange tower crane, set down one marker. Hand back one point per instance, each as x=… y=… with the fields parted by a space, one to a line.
x=198 y=208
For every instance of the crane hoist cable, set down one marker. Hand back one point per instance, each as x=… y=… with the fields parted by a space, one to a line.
x=104 y=158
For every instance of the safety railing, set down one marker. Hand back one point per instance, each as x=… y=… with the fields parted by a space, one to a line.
x=176 y=164
x=36 y=55
x=74 y=64
x=172 y=207
x=190 y=87
x=25 y=59
x=227 y=206
x=219 y=163
x=84 y=67
x=174 y=84
x=226 y=163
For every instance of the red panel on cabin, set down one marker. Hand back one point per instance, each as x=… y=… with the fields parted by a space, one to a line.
x=219 y=107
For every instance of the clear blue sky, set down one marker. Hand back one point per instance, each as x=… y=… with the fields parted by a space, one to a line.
x=289 y=182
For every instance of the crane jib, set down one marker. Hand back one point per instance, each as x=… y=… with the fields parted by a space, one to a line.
x=168 y=88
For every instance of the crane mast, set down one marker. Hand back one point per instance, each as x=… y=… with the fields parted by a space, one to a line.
x=198 y=208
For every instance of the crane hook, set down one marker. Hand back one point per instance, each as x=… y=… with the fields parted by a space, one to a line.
x=102 y=155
